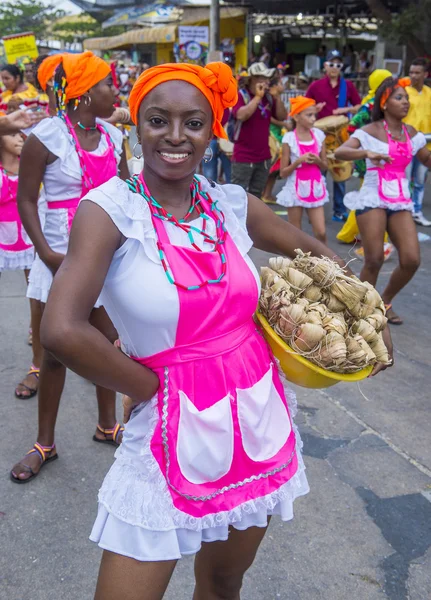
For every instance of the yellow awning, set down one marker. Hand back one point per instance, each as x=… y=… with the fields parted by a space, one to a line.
x=146 y=35
x=161 y=35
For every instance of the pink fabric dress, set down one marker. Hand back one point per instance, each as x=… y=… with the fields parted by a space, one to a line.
x=216 y=445
x=306 y=186
x=386 y=186
x=66 y=181
x=16 y=249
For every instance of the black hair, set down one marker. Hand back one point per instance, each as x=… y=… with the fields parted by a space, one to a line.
x=36 y=64
x=388 y=84
x=14 y=70
x=420 y=62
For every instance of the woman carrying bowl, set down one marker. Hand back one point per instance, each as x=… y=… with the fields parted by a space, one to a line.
x=209 y=452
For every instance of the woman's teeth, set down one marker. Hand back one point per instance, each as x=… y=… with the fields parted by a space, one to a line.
x=174 y=156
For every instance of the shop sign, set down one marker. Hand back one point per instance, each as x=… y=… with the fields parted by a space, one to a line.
x=20 y=47
x=193 y=44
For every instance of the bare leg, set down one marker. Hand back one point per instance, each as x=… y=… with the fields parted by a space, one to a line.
x=317 y=220
x=220 y=566
x=402 y=231
x=269 y=186
x=51 y=384
x=124 y=577
x=30 y=381
x=294 y=216
x=372 y=227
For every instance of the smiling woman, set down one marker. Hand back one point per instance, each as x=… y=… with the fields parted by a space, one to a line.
x=209 y=451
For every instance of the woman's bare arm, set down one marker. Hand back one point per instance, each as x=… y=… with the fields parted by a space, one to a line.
x=66 y=331
x=272 y=234
x=34 y=158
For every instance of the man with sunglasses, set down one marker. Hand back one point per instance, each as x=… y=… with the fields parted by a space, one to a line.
x=257 y=104
x=335 y=95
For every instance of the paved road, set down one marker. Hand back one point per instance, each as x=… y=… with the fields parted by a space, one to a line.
x=363 y=533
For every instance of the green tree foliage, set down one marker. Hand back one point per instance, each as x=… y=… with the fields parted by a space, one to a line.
x=27 y=15
x=414 y=20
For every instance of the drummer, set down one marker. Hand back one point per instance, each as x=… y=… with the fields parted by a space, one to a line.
x=335 y=95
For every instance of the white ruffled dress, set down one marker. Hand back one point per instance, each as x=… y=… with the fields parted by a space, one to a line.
x=136 y=515
x=287 y=196
x=62 y=181
x=368 y=195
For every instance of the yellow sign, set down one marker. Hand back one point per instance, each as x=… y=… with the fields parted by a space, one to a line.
x=19 y=47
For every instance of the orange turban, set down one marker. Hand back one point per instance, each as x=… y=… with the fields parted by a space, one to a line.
x=401 y=83
x=47 y=68
x=300 y=103
x=215 y=81
x=82 y=72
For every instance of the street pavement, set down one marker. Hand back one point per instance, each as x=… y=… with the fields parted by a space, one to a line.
x=362 y=533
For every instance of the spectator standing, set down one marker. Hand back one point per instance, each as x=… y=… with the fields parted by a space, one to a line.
x=335 y=95
x=419 y=117
x=256 y=105
x=266 y=56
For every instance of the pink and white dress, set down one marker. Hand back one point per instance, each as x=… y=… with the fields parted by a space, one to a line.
x=63 y=188
x=216 y=446
x=386 y=186
x=306 y=186
x=16 y=249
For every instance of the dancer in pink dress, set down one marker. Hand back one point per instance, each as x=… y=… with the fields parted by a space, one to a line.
x=209 y=451
x=70 y=154
x=302 y=162
x=384 y=201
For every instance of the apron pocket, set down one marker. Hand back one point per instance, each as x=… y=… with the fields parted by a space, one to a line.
x=318 y=189
x=263 y=419
x=205 y=440
x=390 y=188
x=304 y=188
x=25 y=237
x=9 y=233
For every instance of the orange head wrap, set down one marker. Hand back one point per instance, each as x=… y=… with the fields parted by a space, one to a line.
x=47 y=68
x=215 y=81
x=401 y=83
x=83 y=71
x=300 y=103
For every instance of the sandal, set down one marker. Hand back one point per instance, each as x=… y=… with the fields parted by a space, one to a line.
x=32 y=391
x=395 y=319
x=114 y=432
x=42 y=452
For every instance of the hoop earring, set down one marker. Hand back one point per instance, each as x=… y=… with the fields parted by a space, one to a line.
x=87 y=100
x=133 y=151
x=209 y=155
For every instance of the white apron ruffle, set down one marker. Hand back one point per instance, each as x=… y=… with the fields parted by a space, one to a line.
x=288 y=197
x=136 y=516
x=16 y=261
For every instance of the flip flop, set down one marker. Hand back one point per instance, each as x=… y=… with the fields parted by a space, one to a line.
x=115 y=432
x=395 y=320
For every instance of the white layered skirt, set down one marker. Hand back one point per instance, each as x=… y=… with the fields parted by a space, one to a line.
x=16 y=261
x=137 y=518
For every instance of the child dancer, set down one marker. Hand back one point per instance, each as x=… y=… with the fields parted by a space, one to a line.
x=303 y=159
x=16 y=249
x=70 y=154
x=384 y=202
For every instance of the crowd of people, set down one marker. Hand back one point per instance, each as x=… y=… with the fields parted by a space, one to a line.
x=151 y=292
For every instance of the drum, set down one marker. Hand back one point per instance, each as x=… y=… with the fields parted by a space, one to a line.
x=335 y=128
x=226 y=146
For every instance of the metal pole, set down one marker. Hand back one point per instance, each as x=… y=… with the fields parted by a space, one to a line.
x=214 y=26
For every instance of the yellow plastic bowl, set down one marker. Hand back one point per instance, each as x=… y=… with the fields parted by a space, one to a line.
x=301 y=371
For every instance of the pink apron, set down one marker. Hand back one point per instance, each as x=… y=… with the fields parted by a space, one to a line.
x=224 y=434
x=14 y=240
x=95 y=170
x=393 y=183
x=309 y=183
